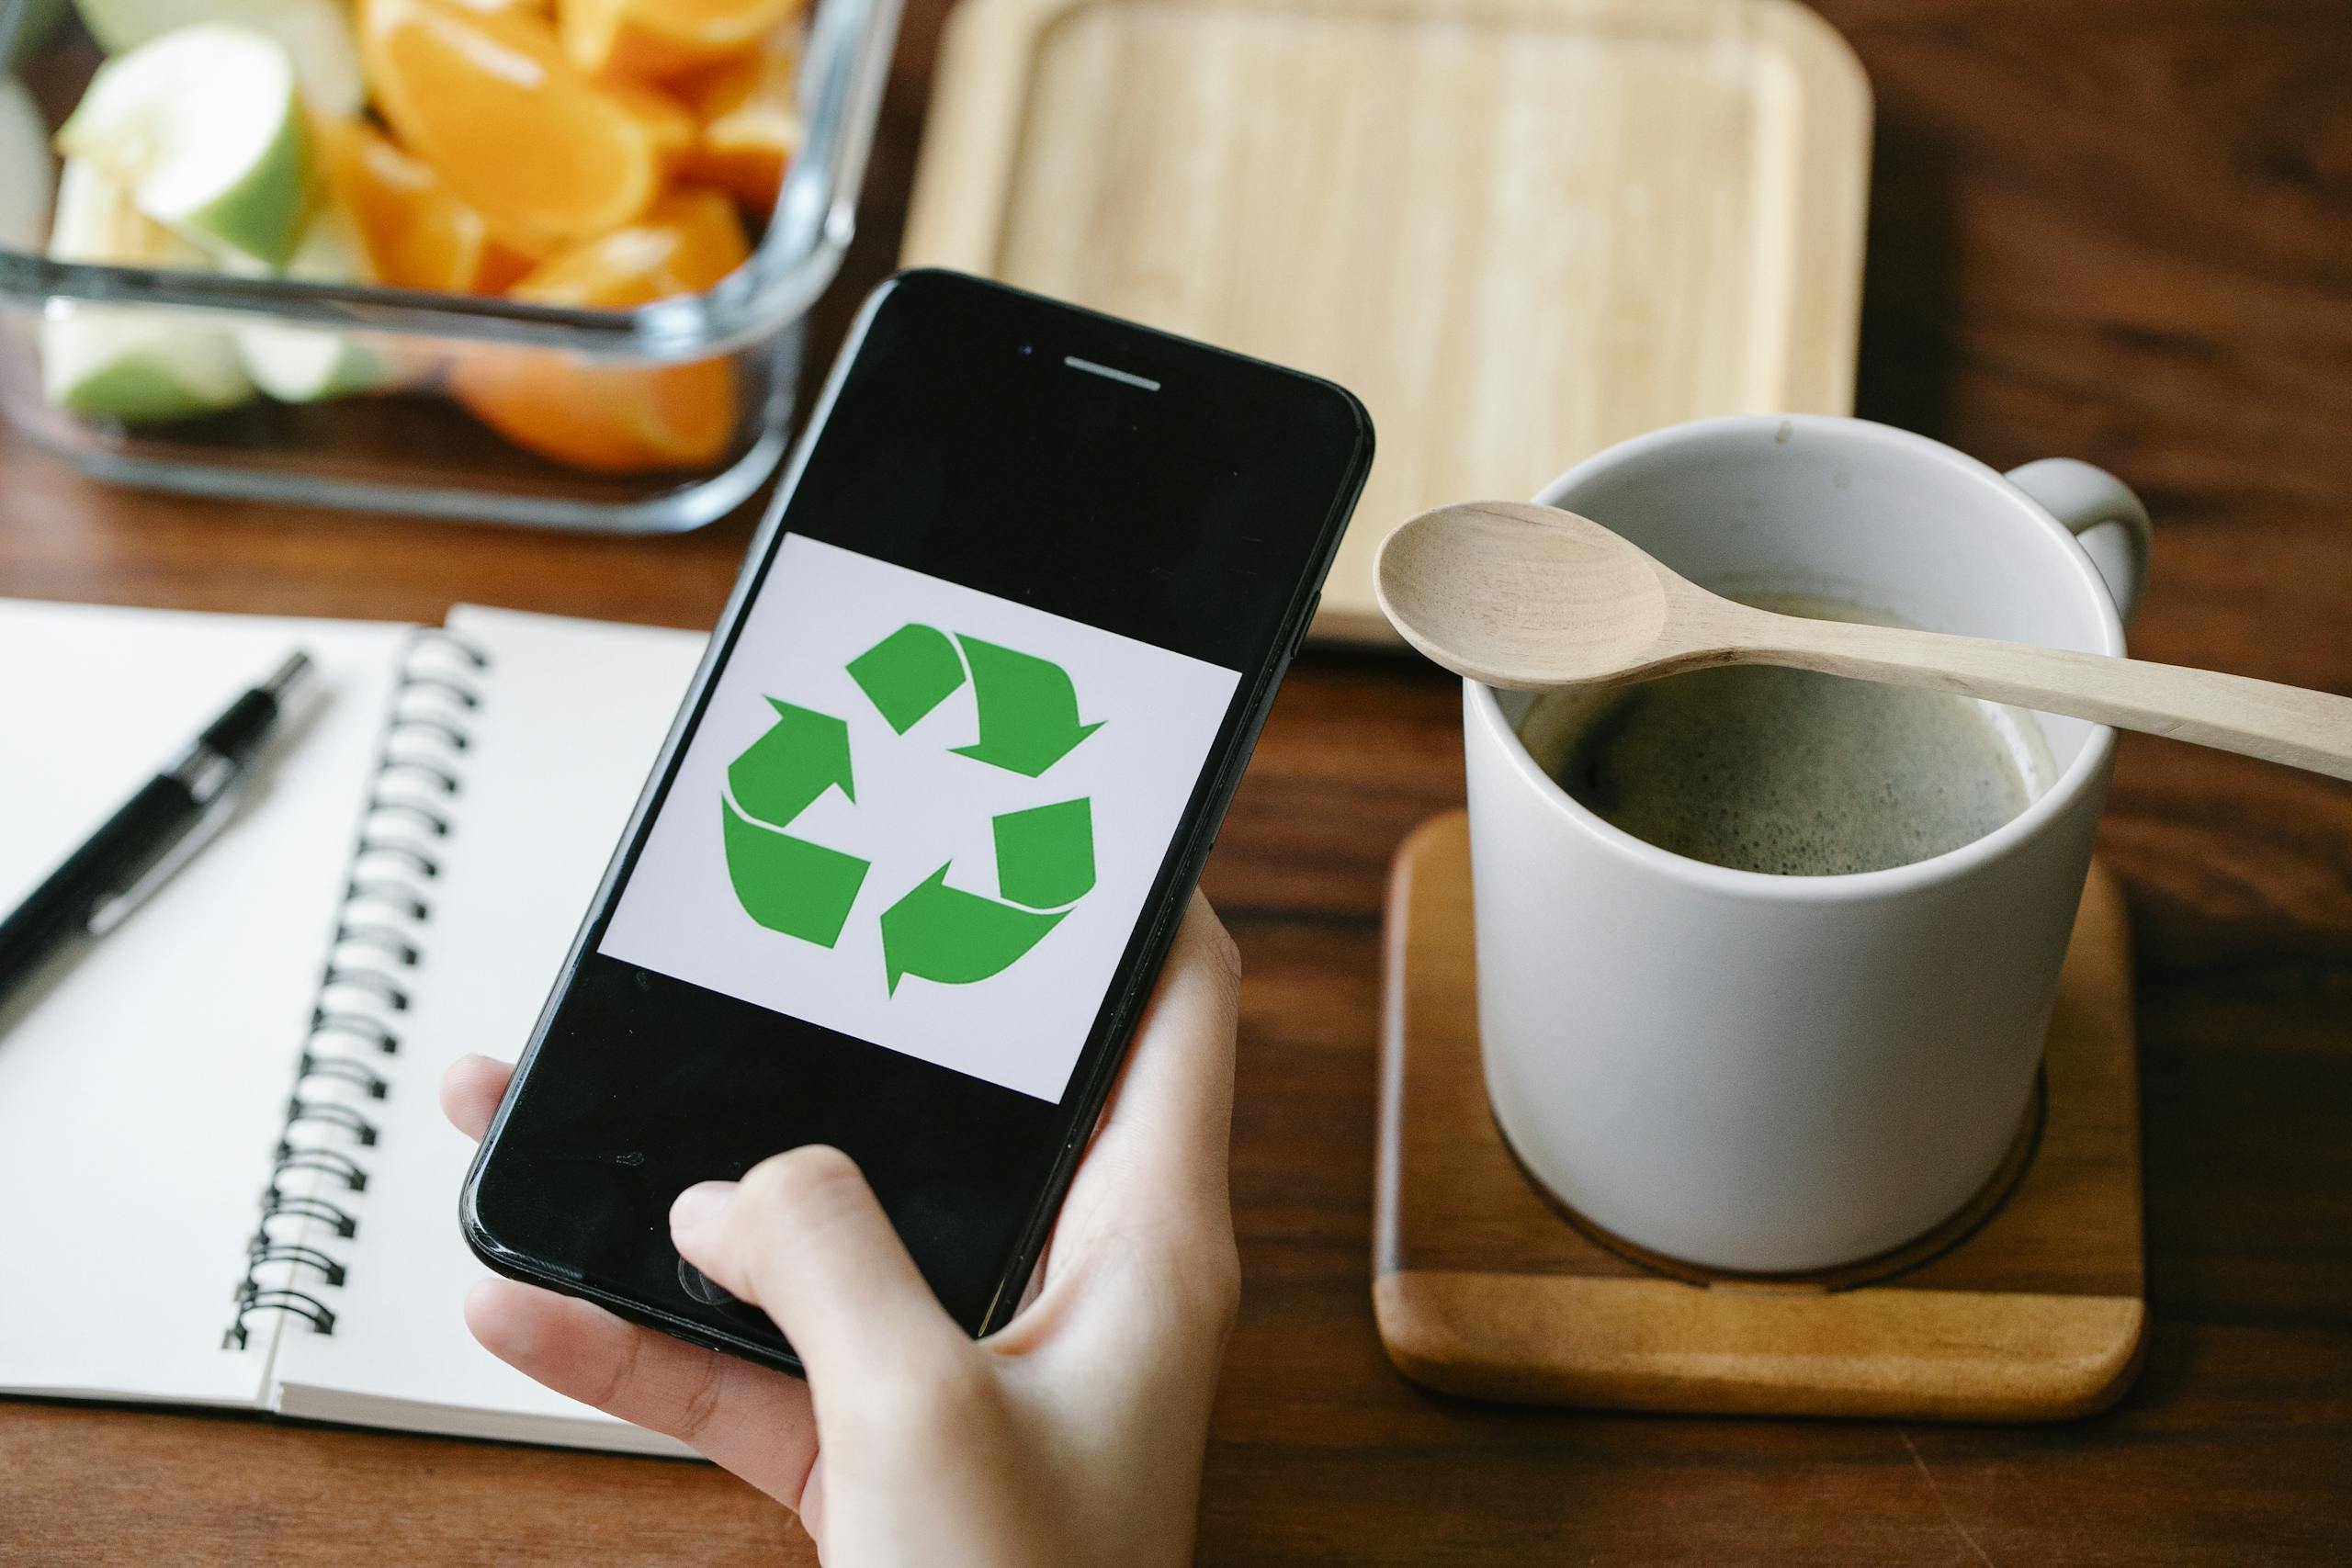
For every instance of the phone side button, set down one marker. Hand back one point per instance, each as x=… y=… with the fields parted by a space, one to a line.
x=1305 y=622
x=702 y=1287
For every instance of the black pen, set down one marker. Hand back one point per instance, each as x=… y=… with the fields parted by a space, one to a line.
x=156 y=831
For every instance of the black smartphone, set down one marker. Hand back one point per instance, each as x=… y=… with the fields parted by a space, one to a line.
x=909 y=859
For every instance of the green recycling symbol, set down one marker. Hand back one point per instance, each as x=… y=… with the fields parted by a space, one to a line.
x=1045 y=855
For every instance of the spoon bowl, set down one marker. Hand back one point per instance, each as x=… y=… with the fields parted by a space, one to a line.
x=1524 y=596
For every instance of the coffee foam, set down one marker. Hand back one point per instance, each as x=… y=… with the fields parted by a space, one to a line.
x=1789 y=771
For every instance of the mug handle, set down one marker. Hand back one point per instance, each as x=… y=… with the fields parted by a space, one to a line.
x=2102 y=512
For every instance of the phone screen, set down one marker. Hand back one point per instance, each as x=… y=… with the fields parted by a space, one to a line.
x=900 y=878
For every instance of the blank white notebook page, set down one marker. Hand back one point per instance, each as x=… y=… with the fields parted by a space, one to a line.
x=571 y=716
x=142 y=1086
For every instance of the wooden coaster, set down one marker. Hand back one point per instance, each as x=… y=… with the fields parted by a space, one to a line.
x=2032 y=1307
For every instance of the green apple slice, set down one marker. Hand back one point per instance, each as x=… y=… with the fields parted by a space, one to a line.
x=308 y=365
x=24 y=169
x=205 y=126
x=132 y=362
x=316 y=33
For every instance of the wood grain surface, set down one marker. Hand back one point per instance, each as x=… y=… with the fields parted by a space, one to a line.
x=1519 y=230
x=2120 y=231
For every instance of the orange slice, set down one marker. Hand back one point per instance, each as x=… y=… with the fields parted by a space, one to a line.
x=607 y=419
x=545 y=154
x=751 y=122
x=655 y=40
x=665 y=119
x=618 y=419
x=690 y=240
x=416 y=233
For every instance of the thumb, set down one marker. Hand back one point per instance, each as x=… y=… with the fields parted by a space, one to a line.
x=803 y=1237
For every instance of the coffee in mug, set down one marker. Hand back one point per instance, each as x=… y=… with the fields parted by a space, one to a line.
x=1761 y=1074
x=1789 y=771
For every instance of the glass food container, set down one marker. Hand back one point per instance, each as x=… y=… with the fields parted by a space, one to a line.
x=416 y=450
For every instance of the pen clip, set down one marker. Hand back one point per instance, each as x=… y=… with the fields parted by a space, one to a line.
x=112 y=911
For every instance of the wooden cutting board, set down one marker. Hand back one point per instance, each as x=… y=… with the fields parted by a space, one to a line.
x=2031 y=1306
x=1518 y=230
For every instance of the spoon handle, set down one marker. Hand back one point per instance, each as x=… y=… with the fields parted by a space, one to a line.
x=2235 y=713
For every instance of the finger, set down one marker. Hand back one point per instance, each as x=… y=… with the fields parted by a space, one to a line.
x=804 y=1238
x=755 y=1422
x=1170 y=1113
x=470 y=1091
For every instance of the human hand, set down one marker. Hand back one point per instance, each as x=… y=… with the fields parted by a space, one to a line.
x=1074 y=1436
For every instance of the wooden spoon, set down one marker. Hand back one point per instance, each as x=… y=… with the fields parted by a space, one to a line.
x=1532 y=598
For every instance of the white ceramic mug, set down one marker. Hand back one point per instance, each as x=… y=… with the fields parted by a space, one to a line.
x=1782 y=1073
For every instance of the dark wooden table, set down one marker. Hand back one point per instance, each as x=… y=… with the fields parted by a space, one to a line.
x=2117 y=232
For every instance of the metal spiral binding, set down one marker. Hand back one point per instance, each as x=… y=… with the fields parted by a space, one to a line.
x=314 y=1177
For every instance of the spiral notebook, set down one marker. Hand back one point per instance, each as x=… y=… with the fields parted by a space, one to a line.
x=224 y=1179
